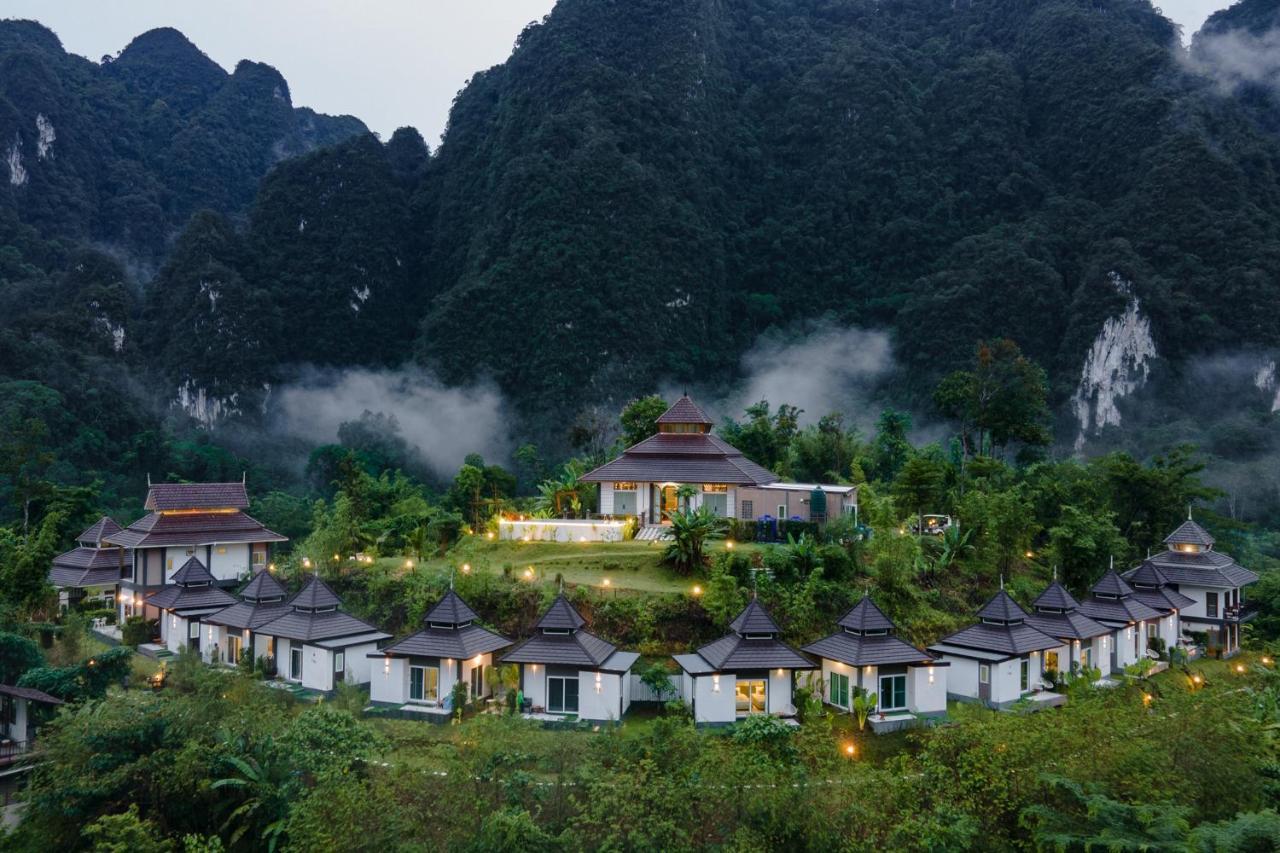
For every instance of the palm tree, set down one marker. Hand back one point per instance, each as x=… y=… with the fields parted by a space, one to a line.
x=690 y=531
x=267 y=785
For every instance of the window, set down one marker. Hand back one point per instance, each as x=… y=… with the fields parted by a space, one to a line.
x=477 y=681
x=839 y=691
x=233 y=649
x=1211 y=605
x=1051 y=661
x=1025 y=673
x=259 y=555
x=562 y=694
x=624 y=487
x=750 y=697
x=222 y=549
x=893 y=692
x=782 y=511
x=193 y=629
x=718 y=488
x=984 y=673
x=424 y=684
x=1086 y=656
x=747 y=509
x=1152 y=629
x=295 y=663
x=339 y=665
x=271 y=647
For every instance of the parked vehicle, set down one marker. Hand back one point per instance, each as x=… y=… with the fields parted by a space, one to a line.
x=931 y=525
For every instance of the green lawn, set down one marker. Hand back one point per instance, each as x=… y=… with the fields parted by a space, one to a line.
x=627 y=565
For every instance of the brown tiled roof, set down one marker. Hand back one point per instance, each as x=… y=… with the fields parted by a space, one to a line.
x=84 y=567
x=170 y=496
x=865 y=616
x=856 y=650
x=685 y=411
x=30 y=694
x=450 y=610
x=754 y=619
x=101 y=529
x=456 y=643
x=683 y=458
x=156 y=530
x=1189 y=533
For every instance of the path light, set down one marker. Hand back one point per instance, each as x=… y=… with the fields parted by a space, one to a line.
x=466 y=568
x=850 y=750
x=489 y=535
x=728 y=546
x=1029 y=555
x=1267 y=661
x=528 y=573
x=1146 y=698
x=306 y=562
x=1197 y=680
x=605 y=582
x=1239 y=667
x=408 y=564
x=697 y=590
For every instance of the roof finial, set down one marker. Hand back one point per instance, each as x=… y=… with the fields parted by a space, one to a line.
x=1113 y=562
x=1188 y=512
x=451 y=574
x=148 y=479
x=244 y=477
x=562 y=584
x=1055 y=572
x=1002 y=582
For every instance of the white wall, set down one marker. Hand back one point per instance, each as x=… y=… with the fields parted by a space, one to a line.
x=561 y=530
x=173 y=631
x=232 y=564
x=1006 y=680
x=535 y=683
x=962 y=680
x=389 y=681
x=599 y=695
x=710 y=705
x=927 y=689
x=780 y=697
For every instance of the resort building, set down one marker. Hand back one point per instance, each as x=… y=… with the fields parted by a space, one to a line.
x=419 y=672
x=645 y=481
x=1211 y=579
x=18 y=720
x=866 y=655
x=234 y=631
x=190 y=595
x=1112 y=603
x=1085 y=644
x=92 y=570
x=317 y=645
x=1152 y=588
x=568 y=671
x=186 y=520
x=999 y=660
x=748 y=671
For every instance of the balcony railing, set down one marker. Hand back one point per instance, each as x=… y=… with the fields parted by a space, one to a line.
x=1242 y=612
x=12 y=750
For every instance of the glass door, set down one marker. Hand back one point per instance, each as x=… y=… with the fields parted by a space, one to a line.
x=233 y=649
x=424 y=684
x=295 y=663
x=893 y=692
x=562 y=694
x=751 y=697
x=670 y=500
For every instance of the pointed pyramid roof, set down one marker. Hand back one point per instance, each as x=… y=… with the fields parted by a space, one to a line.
x=451 y=610
x=1189 y=533
x=1147 y=575
x=561 y=616
x=1111 y=584
x=754 y=619
x=192 y=573
x=263 y=585
x=101 y=529
x=685 y=411
x=1055 y=596
x=1002 y=608
x=316 y=595
x=865 y=616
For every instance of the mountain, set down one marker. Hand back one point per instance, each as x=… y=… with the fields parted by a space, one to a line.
x=121 y=153
x=646 y=188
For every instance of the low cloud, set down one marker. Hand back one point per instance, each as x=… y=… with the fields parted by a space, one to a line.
x=1237 y=57
x=441 y=424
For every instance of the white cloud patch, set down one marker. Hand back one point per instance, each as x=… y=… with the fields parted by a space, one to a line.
x=1237 y=57
x=441 y=424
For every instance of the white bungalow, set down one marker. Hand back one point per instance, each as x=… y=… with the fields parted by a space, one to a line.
x=17 y=722
x=234 y=631
x=864 y=654
x=1212 y=580
x=1153 y=588
x=1086 y=644
x=418 y=673
x=998 y=660
x=1111 y=602
x=747 y=672
x=567 y=671
x=92 y=570
x=190 y=596
x=317 y=645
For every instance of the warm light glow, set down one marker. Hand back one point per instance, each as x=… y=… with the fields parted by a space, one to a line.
x=271 y=567
x=850 y=750
x=1267 y=661
x=605 y=582
x=386 y=664
x=599 y=686
x=336 y=558
x=466 y=568
x=1029 y=555
x=781 y=671
x=489 y=535
x=697 y=590
x=931 y=675
x=1197 y=679
x=528 y=573
x=729 y=545
x=715 y=684
x=1146 y=698
x=476 y=662
x=408 y=564
x=1239 y=667
x=306 y=562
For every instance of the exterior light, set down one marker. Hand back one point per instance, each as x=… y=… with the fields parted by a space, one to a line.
x=1239 y=667
x=715 y=684
x=306 y=562
x=1029 y=555
x=386 y=664
x=1146 y=698
x=728 y=546
x=466 y=568
x=271 y=567
x=931 y=675
x=697 y=590
x=605 y=582
x=528 y=573
x=781 y=671
x=489 y=535
x=1196 y=679
x=408 y=564
x=850 y=750
x=599 y=686
x=1267 y=661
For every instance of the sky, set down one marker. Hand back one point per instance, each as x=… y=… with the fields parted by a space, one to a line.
x=388 y=62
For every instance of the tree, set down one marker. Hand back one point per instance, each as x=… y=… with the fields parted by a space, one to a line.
x=126 y=833
x=723 y=599
x=17 y=655
x=891 y=449
x=640 y=419
x=689 y=533
x=1003 y=399
x=1083 y=543
x=918 y=486
x=657 y=678
x=766 y=437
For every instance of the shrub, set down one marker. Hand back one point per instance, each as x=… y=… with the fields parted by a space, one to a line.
x=137 y=630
